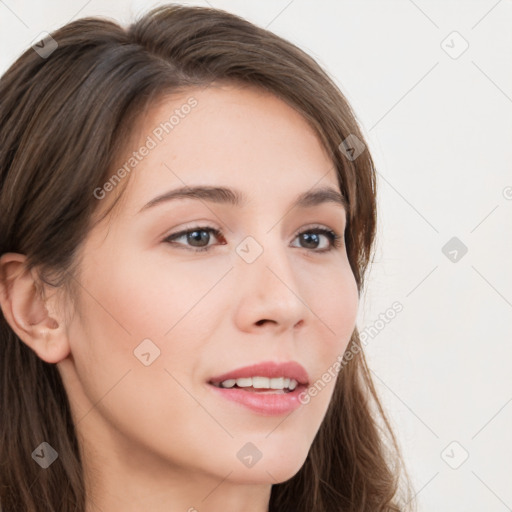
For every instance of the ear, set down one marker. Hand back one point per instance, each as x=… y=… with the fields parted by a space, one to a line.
x=26 y=309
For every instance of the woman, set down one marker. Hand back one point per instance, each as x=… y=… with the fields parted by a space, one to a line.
x=145 y=367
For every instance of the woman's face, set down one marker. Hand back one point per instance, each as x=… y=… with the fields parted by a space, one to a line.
x=160 y=318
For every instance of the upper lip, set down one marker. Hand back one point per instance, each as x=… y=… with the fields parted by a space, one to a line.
x=270 y=369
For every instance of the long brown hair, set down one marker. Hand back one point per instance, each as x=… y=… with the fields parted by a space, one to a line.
x=65 y=118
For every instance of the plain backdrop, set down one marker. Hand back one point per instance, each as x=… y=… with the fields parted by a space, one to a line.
x=431 y=85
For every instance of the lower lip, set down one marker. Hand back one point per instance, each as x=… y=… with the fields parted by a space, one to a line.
x=268 y=404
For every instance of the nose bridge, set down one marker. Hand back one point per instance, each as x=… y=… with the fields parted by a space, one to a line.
x=263 y=252
x=267 y=278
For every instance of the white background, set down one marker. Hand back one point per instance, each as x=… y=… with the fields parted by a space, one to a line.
x=440 y=131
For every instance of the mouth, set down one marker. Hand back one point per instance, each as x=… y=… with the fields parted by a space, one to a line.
x=267 y=376
x=279 y=386
x=266 y=388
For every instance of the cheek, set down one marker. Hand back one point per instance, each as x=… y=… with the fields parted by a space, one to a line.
x=152 y=296
x=335 y=307
x=131 y=300
x=124 y=304
x=334 y=302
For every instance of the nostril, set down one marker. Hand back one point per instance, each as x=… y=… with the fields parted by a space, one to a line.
x=260 y=322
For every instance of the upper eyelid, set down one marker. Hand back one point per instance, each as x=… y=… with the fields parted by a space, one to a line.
x=207 y=227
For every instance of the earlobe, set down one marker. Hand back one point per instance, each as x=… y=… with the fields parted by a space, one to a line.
x=25 y=309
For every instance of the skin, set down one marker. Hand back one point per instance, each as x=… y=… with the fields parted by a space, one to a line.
x=156 y=437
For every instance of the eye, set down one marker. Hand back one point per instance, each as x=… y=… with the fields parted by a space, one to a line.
x=195 y=235
x=313 y=236
x=199 y=236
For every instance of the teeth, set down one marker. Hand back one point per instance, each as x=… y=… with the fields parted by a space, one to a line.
x=277 y=383
x=229 y=383
x=260 y=383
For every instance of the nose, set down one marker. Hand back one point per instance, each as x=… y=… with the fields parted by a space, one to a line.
x=268 y=291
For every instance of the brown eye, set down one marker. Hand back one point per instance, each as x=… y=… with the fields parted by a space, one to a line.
x=197 y=238
x=312 y=237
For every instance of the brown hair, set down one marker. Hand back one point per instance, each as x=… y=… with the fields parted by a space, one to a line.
x=65 y=119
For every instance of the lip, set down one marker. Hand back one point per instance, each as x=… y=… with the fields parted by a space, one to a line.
x=260 y=403
x=267 y=404
x=270 y=369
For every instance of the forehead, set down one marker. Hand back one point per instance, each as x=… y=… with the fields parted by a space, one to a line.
x=225 y=135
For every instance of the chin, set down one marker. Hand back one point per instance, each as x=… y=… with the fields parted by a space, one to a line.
x=274 y=468
x=264 y=475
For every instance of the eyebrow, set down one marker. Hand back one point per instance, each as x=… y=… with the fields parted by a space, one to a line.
x=225 y=195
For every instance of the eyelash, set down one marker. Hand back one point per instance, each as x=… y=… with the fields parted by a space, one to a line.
x=335 y=239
